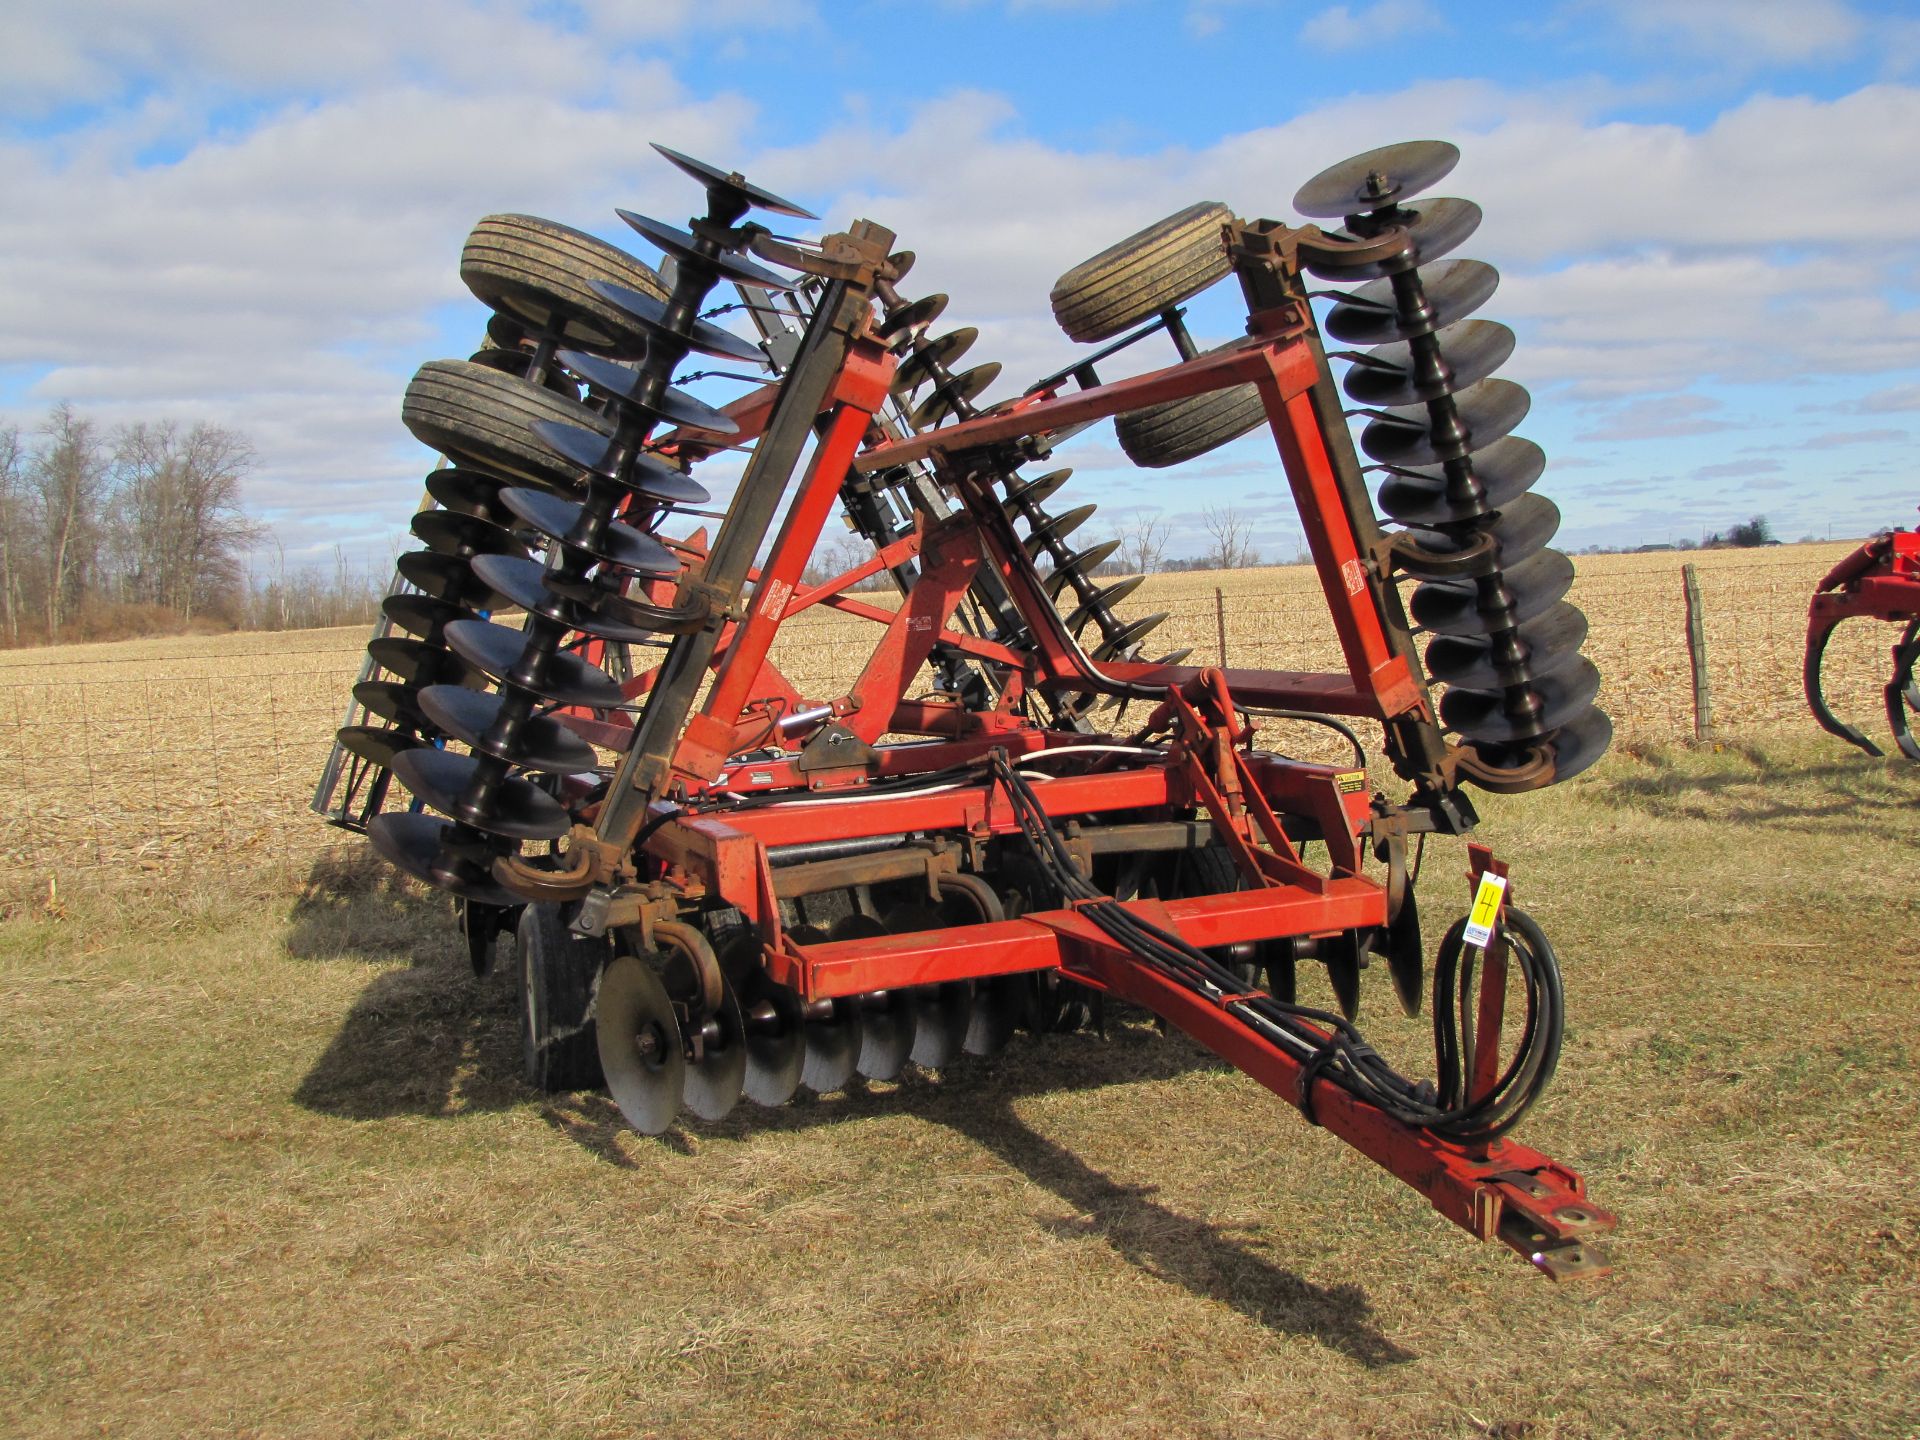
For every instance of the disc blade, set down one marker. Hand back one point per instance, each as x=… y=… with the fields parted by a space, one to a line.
x=1000 y=1004
x=1116 y=646
x=1057 y=527
x=1393 y=375
x=701 y=335
x=923 y=364
x=1483 y=716
x=832 y=1048
x=1452 y=290
x=1407 y=958
x=376 y=744
x=618 y=543
x=419 y=664
x=1549 y=640
x=942 y=1016
x=1436 y=228
x=1342 y=955
x=515 y=808
x=650 y=478
x=524 y=582
x=1463 y=608
x=887 y=1030
x=1504 y=470
x=554 y=675
x=1106 y=599
x=715 y=1080
x=684 y=246
x=1035 y=491
x=448 y=532
x=1566 y=753
x=1486 y=412
x=1386 y=176
x=391 y=700
x=1520 y=531
x=469 y=492
x=676 y=407
x=1579 y=743
x=1281 y=958
x=907 y=318
x=776 y=1043
x=734 y=183
x=423 y=615
x=960 y=390
x=414 y=843
x=1084 y=562
x=536 y=742
x=447 y=577
x=641 y=1052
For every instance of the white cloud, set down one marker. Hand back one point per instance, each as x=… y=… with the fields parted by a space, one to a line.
x=1741 y=32
x=1339 y=28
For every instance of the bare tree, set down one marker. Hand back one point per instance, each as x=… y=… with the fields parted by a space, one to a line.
x=183 y=535
x=70 y=484
x=13 y=523
x=1232 y=535
x=1143 y=542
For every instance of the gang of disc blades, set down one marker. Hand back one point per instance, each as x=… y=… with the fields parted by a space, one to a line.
x=1453 y=290
x=716 y=179
x=685 y=246
x=714 y=1082
x=618 y=543
x=1550 y=639
x=1435 y=228
x=1487 y=411
x=560 y=677
x=413 y=843
x=1033 y=492
x=641 y=1053
x=1000 y=1003
x=1481 y=716
x=1106 y=599
x=701 y=335
x=648 y=476
x=832 y=1048
x=524 y=583
x=469 y=492
x=419 y=664
x=1386 y=176
x=676 y=407
x=1520 y=531
x=1387 y=375
x=423 y=615
x=376 y=744
x=923 y=311
x=448 y=532
x=955 y=391
x=391 y=700
x=518 y=809
x=1454 y=607
x=776 y=1042
x=541 y=742
x=919 y=367
x=1083 y=562
x=1058 y=527
x=447 y=577
x=942 y=1016
x=1505 y=470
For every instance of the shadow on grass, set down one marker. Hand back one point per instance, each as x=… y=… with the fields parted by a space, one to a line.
x=1874 y=796
x=354 y=905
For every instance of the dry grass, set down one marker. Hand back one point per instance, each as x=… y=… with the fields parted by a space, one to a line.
x=160 y=755
x=271 y=1172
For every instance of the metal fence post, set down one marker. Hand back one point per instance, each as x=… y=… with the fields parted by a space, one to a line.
x=1220 y=622
x=1697 y=654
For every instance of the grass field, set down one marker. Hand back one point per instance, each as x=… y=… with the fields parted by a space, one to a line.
x=271 y=1171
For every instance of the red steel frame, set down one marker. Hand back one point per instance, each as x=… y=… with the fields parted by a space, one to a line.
x=1503 y=1190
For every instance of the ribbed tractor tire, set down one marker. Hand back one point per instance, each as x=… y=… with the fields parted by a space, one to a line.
x=1149 y=271
x=482 y=418
x=539 y=272
x=557 y=973
x=1180 y=430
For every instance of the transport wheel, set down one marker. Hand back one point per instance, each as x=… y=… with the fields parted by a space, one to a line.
x=541 y=273
x=1181 y=430
x=1151 y=270
x=557 y=970
x=483 y=418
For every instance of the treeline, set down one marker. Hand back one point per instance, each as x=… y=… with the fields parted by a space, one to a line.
x=140 y=530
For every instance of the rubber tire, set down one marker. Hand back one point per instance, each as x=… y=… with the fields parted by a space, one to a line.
x=557 y=973
x=1151 y=270
x=1182 y=430
x=539 y=272
x=481 y=417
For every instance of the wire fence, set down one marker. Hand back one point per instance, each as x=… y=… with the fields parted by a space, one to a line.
x=153 y=757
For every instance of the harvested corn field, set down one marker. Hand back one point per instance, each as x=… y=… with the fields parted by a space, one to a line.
x=149 y=755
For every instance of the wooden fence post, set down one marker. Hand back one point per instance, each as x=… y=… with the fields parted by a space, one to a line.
x=1220 y=623
x=1697 y=654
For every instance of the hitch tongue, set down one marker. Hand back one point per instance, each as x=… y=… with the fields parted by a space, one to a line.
x=1551 y=1226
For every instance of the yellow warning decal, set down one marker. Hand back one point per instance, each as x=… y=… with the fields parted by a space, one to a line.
x=1486 y=905
x=1351 y=782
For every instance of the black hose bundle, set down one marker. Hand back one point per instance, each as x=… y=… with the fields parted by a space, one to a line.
x=1336 y=1052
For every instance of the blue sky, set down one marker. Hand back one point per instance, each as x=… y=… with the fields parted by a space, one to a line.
x=1705 y=213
